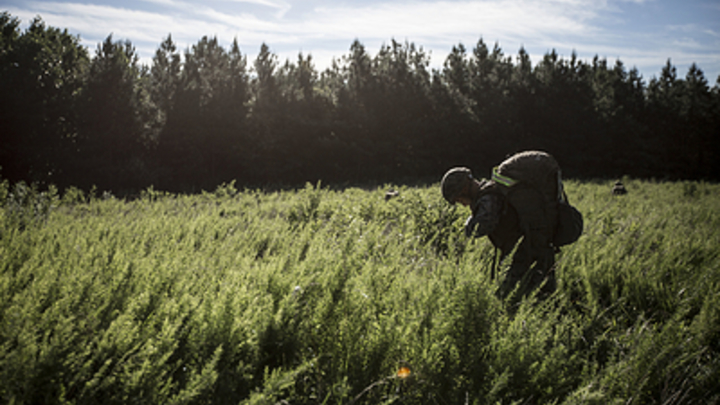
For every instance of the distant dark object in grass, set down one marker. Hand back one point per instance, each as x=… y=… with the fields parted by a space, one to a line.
x=390 y=194
x=619 y=188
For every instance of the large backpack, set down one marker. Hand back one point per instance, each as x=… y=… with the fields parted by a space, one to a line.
x=569 y=225
x=541 y=171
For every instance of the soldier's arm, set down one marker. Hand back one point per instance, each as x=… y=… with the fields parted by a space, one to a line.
x=485 y=217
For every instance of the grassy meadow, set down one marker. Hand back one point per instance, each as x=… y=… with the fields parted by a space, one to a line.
x=337 y=296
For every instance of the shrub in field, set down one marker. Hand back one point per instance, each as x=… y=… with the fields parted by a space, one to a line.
x=320 y=296
x=24 y=204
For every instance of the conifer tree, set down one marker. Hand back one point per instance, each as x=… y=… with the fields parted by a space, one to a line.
x=201 y=143
x=490 y=79
x=664 y=98
x=696 y=115
x=268 y=108
x=41 y=73
x=165 y=77
x=112 y=131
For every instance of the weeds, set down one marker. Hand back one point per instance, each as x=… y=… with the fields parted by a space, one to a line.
x=318 y=296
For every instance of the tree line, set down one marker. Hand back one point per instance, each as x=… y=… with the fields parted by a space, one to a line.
x=210 y=115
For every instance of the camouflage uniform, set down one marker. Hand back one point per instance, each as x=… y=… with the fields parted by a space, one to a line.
x=526 y=209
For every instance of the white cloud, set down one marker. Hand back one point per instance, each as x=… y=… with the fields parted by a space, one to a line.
x=686 y=43
x=451 y=19
x=97 y=21
x=418 y=21
x=325 y=29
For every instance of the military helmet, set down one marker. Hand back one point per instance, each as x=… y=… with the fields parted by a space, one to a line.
x=454 y=181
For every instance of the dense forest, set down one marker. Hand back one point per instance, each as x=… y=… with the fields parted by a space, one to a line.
x=209 y=115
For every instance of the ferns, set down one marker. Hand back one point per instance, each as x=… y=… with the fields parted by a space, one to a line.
x=320 y=296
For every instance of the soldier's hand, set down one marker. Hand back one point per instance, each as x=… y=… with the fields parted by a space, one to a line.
x=470 y=225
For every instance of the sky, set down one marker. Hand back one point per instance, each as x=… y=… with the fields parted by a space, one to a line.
x=640 y=33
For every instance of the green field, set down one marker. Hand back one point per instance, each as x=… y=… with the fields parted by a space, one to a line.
x=322 y=295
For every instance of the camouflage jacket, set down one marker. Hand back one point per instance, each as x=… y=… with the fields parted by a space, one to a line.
x=486 y=212
x=493 y=217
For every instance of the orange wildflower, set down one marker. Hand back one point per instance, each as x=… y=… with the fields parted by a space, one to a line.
x=403 y=372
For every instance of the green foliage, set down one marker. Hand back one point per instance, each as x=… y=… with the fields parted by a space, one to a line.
x=321 y=296
x=115 y=120
x=41 y=72
x=24 y=205
x=192 y=122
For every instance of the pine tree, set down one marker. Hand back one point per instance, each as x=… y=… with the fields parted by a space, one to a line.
x=696 y=114
x=112 y=132
x=165 y=77
x=41 y=73
x=269 y=120
x=206 y=130
x=490 y=88
x=664 y=98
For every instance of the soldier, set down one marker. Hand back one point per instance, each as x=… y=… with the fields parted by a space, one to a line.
x=390 y=194
x=619 y=188
x=520 y=201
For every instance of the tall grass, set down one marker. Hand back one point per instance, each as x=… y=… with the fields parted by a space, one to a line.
x=320 y=296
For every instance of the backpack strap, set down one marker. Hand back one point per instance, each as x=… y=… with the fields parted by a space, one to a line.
x=501 y=179
x=494 y=267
